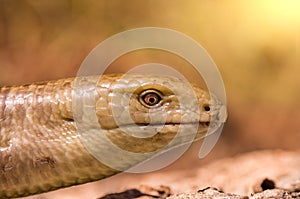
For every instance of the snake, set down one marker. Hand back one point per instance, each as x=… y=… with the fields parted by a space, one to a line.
x=66 y=132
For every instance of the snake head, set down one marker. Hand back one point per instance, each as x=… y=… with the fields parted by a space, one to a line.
x=144 y=113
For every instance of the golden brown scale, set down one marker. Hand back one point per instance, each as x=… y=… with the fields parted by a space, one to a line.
x=40 y=146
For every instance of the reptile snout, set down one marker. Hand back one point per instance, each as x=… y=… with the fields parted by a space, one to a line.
x=222 y=115
x=218 y=111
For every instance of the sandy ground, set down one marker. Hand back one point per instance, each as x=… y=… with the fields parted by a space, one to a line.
x=243 y=175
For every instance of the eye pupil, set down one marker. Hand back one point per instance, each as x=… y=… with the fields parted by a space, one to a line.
x=150 y=98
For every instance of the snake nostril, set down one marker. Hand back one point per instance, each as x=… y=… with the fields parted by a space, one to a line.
x=222 y=116
x=206 y=108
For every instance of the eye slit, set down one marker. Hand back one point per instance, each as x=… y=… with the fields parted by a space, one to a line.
x=206 y=107
x=150 y=98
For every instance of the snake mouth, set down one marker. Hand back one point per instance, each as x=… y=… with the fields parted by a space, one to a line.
x=145 y=138
x=200 y=124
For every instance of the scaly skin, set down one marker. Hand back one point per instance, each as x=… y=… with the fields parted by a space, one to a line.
x=48 y=138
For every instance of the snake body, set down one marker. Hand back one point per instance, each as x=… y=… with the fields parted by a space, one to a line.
x=42 y=148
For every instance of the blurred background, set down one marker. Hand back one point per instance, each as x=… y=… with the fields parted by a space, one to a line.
x=255 y=44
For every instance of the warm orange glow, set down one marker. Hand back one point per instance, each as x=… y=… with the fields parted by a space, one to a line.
x=284 y=12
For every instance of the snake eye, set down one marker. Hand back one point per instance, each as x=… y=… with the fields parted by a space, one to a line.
x=150 y=98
